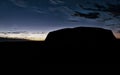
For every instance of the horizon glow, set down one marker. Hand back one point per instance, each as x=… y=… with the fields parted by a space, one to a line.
x=33 y=36
x=27 y=36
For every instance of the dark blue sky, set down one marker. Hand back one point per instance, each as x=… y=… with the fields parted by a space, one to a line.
x=45 y=15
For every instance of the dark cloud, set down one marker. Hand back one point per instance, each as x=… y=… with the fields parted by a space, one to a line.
x=93 y=15
x=65 y=12
x=74 y=20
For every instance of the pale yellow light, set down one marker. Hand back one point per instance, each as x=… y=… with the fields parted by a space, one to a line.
x=29 y=36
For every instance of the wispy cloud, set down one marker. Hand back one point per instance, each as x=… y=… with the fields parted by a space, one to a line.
x=56 y=2
x=62 y=9
x=66 y=12
x=26 y=4
x=38 y=10
x=19 y=3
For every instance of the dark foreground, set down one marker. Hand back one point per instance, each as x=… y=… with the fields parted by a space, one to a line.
x=36 y=51
x=99 y=46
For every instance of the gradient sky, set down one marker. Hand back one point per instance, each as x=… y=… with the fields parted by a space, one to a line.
x=45 y=15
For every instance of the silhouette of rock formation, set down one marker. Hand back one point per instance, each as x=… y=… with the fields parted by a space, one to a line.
x=80 y=37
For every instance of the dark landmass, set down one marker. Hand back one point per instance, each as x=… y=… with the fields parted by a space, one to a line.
x=11 y=40
x=72 y=45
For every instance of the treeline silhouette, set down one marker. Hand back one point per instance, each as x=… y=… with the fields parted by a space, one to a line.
x=70 y=45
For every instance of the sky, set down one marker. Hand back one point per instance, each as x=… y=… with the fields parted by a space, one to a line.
x=43 y=16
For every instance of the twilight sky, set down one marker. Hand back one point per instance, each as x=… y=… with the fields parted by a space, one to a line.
x=48 y=15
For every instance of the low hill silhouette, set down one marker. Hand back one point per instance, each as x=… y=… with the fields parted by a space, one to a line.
x=81 y=37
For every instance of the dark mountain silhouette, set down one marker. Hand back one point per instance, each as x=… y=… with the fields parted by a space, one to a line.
x=81 y=37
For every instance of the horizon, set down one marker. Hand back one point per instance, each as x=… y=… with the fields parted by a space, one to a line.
x=34 y=36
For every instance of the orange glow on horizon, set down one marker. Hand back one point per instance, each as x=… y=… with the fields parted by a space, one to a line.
x=117 y=35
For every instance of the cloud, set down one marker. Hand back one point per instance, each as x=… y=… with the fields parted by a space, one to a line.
x=19 y=32
x=56 y=2
x=19 y=3
x=61 y=9
x=38 y=10
x=65 y=12
x=89 y=15
x=73 y=21
x=25 y=4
